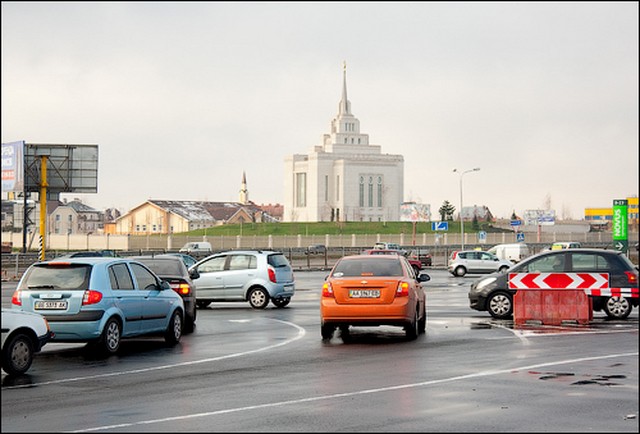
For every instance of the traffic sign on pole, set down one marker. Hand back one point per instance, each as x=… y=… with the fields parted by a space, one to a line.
x=620 y=225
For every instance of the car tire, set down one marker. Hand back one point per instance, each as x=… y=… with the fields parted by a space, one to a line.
x=109 y=342
x=460 y=271
x=500 y=305
x=17 y=354
x=174 y=330
x=202 y=304
x=617 y=307
x=258 y=298
x=326 y=330
x=190 y=322
x=281 y=302
x=422 y=323
x=411 y=329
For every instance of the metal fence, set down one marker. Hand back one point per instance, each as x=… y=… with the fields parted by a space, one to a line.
x=14 y=264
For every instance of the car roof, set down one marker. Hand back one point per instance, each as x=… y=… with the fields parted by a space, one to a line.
x=372 y=257
x=86 y=260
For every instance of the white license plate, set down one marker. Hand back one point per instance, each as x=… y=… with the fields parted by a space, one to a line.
x=364 y=293
x=50 y=305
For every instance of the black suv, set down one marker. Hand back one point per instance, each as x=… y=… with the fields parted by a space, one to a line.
x=492 y=293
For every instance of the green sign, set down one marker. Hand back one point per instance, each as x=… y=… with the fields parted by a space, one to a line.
x=620 y=225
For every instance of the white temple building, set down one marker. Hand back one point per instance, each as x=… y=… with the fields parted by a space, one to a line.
x=345 y=178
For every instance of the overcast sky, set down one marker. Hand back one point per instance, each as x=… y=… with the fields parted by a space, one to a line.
x=182 y=98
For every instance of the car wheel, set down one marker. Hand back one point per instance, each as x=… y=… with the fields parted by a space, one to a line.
x=422 y=323
x=258 y=298
x=327 y=331
x=460 y=271
x=174 y=329
x=500 y=305
x=202 y=304
x=617 y=307
x=190 y=322
x=17 y=355
x=281 y=302
x=411 y=329
x=109 y=342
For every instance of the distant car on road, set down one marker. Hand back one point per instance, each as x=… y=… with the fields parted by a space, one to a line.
x=257 y=276
x=415 y=263
x=316 y=249
x=421 y=255
x=172 y=269
x=23 y=335
x=492 y=293
x=476 y=262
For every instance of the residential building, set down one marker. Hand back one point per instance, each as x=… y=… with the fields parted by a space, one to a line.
x=75 y=217
x=174 y=216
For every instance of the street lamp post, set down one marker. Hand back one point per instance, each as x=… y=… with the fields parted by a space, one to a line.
x=461 y=220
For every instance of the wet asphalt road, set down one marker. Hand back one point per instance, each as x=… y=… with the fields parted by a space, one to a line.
x=247 y=370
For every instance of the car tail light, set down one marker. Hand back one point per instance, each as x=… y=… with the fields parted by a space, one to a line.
x=327 y=290
x=272 y=275
x=181 y=288
x=632 y=278
x=403 y=289
x=16 y=298
x=91 y=297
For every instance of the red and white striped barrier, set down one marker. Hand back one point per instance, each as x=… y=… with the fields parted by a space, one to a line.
x=595 y=284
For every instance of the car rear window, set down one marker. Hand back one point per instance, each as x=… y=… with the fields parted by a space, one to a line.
x=370 y=267
x=164 y=267
x=58 y=276
x=277 y=260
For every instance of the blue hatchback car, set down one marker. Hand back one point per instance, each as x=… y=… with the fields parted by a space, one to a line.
x=100 y=301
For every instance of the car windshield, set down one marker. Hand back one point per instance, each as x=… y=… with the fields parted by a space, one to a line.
x=58 y=276
x=370 y=267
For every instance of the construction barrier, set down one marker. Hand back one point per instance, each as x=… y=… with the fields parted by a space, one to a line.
x=555 y=298
x=552 y=306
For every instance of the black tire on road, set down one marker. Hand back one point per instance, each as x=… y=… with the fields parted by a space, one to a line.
x=500 y=305
x=281 y=302
x=460 y=271
x=109 y=342
x=202 y=304
x=17 y=354
x=174 y=330
x=617 y=307
x=258 y=298
x=411 y=329
x=326 y=330
x=422 y=323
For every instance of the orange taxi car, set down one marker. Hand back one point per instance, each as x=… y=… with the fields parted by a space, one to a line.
x=373 y=290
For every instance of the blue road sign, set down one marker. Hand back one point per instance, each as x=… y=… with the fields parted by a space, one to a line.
x=520 y=236
x=516 y=222
x=439 y=226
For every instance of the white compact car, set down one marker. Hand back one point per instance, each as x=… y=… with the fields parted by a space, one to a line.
x=23 y=335
x=476 y=262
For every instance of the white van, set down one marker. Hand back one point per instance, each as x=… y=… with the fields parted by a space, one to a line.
x=512 y=252
x=197 y=248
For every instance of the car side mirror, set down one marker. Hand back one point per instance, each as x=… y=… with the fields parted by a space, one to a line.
x=193 y=273
x=423 y=277
x=164 y=285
